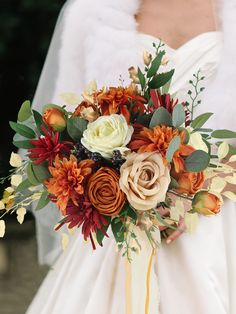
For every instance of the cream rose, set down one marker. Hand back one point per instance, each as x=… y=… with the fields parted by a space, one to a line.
x=106 y=134
x=145 y=180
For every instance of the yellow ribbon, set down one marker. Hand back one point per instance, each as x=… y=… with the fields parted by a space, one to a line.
x=148 y=283
x=142 y=293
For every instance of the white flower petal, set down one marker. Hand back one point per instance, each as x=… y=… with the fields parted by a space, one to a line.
x=15 y=160
x=2 y=228
x=16 y=179
x=21 y=214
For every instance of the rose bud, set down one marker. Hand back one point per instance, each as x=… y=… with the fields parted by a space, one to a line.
x=86 y=111
x=133 y=74
x=206 y=203
x=55 y=118
x=189 y=182
x=147 y=58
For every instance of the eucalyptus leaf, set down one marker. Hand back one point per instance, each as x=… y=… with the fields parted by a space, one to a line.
x=197 y=161
x=25 y=111
x=23 y=144
x=155 y=65
x=199 y=121
x=41 y=172
x=223 y=134
x=160 y=116
x=173 y=147
x=43 y=201
x=24 y=185
x=178 y=115
x=161 y=79
x=31 y=176
x=22 y=130
x=75 y=127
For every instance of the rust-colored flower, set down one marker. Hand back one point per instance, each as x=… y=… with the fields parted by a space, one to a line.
x=158 y=139
x=206 y=203
x=55 y=118
x=104 y=192
x=124 y=100
x=86 y=111
x=189 y=182
x=68 y=180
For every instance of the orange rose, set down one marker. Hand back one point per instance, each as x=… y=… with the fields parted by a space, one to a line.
x=189 y=182
x=55 y=118
x=206 y=203
x=104 y=192
x=86 y=111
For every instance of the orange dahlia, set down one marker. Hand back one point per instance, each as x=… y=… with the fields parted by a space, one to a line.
x=158 y=139
x=68 y=180
x=124 y=100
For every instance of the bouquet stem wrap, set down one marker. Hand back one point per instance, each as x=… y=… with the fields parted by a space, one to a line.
x=142 y=292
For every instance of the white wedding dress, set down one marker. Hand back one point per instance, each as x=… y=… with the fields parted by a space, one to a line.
x=196 y=274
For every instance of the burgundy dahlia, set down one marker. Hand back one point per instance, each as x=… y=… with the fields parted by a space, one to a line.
x=87 y=216
x=47 y=147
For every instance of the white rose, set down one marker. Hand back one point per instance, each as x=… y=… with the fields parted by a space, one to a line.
x=145 y=180
x=106 y=134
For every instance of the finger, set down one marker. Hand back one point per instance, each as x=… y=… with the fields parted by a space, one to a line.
x=177 y=233
x=164 y=211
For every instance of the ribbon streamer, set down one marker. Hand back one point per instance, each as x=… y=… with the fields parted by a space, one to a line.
x=142 y=293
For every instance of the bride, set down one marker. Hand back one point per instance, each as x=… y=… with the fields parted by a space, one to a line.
x=100 y=40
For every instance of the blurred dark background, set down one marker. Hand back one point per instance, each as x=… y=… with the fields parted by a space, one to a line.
x=26 y=28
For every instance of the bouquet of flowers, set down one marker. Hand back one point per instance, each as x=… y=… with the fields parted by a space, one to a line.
x=124 y=157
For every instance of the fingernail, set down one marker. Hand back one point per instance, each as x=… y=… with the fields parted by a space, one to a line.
x=168 y=241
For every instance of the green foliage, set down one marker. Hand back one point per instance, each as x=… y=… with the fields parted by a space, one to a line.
x=197 y=161
x=161 y=116
x=173 y=147
x=76 y=127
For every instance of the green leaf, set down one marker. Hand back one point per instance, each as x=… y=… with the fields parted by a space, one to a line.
x=161 y=79
x=75 y=127
x=197 y=161
x=178 y=115
x=223 y=134
x=43 y=201
x=173 y=147
x=31 y=176
x=41 y=172
x=166 y=87
x=232 y=150
x=155 y=65
x=131 y=213
x=141 y=78
x=173 y=184
x=161 y=116
x=118 y=229
x=162 y=221
x=186 y=134
x=24 y=185
x=22 y=129
x=199 y=121
x=38 y=121
x=99 y=234
x=25 y=111
x=23 y=144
